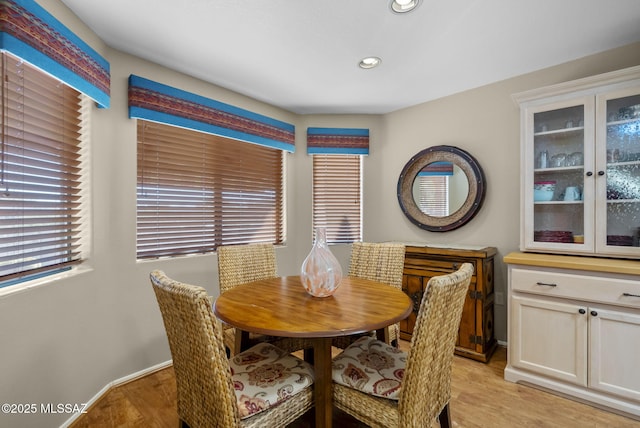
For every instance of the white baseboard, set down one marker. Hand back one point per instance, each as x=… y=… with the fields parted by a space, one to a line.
x=115 y=383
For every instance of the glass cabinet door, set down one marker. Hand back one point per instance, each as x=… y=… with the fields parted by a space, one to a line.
x=561 y=151
x=618 y=172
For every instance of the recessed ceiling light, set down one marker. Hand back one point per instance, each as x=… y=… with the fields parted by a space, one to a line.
x=370 y=62
x=403 y=6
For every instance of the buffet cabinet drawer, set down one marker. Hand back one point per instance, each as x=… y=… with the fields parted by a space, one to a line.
x=437 y=266
x=601 y=289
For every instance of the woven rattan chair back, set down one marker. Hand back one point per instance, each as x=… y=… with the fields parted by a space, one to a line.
x=205 y=390
x=238 y=264
x=426 y=385
x=382 y=262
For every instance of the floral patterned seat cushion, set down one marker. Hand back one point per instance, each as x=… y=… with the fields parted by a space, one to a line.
x=371 y=366
x=265 y=375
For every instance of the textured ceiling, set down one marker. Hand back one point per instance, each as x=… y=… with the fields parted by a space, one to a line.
x=302 y=55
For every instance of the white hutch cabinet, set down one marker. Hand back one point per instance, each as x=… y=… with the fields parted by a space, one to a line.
x=580 y=163
x=574 y=289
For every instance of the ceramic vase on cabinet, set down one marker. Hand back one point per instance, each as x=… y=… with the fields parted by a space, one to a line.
x=321 y=272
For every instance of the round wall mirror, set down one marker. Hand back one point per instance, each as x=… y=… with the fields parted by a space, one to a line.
x=441 y=188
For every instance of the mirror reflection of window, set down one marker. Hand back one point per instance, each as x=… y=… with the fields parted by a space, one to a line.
x=440 y=189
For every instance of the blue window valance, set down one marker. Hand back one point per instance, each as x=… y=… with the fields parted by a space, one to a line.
x=33 y=34
x=353 y=141
x=161 y=103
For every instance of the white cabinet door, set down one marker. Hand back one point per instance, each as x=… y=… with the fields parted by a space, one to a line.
x=615 y=352
x=549 y=338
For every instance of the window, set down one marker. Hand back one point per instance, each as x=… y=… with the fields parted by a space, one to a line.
x=337 y=201
x=41 y=172
x=197 y=191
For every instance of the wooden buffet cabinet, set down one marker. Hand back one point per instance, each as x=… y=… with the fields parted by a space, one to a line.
x=476 y=338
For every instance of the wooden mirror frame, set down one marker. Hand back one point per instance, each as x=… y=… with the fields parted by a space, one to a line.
x=470 y=207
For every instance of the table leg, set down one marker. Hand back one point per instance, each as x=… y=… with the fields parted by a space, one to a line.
x=323 y=393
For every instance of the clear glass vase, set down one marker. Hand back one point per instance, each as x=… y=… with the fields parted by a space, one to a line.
x=321 y=272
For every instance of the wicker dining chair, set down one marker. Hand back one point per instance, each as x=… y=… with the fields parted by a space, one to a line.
x=239 y=264
x=214 y=391
x=383 y=386
x=381 y=262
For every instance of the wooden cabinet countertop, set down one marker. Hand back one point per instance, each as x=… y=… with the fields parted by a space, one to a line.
x=592 y=264
x=451 y=250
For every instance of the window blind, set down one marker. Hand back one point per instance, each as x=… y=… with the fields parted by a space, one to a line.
x=197 y=191
x=337 y=204
x=40 y=172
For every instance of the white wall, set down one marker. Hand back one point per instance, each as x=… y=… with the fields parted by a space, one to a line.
x=63 y=341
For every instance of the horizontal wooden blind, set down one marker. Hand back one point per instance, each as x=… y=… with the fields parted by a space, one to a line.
x=198 y=191
x=337 y=197
x=40 y=172
x=434 y=195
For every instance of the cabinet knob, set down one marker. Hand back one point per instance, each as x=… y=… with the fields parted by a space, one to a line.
x=600 y=173
x=582 y=311
x=589 y=173
x=594 y=314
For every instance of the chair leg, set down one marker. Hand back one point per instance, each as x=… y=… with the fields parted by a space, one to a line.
x=308 y=355
x=445 y=417
x=241 y=342
x=237 y=345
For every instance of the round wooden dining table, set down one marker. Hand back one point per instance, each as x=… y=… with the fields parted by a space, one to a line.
x=282 y=307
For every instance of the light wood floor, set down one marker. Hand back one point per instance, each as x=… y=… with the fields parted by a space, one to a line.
x=480 y=398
